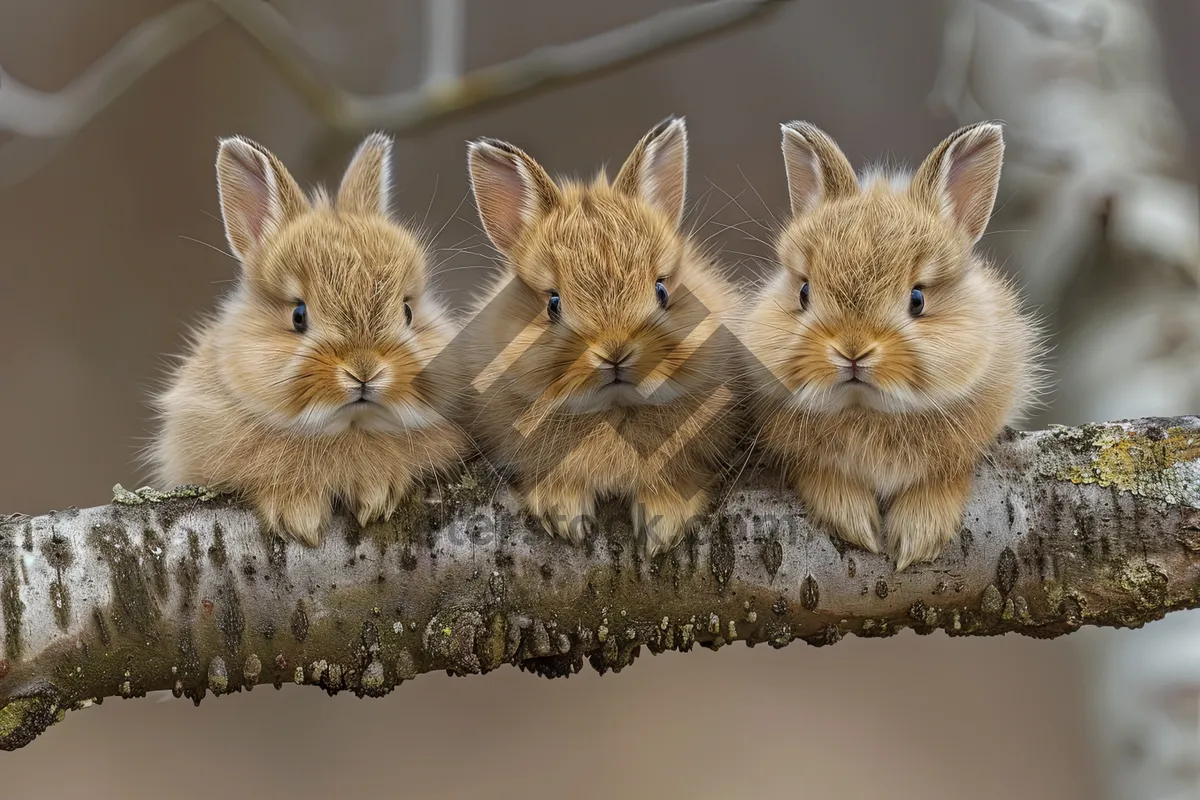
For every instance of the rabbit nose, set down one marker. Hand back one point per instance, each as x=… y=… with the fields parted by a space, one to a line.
x=860 y=353
x=362 y=374
x=853 y=362
x=615 y=362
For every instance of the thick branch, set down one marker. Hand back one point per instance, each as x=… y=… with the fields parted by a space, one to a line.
x=32 y=113
x=1068 y=527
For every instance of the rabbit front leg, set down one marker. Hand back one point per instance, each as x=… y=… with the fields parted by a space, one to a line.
x=288 y=511
x=565 y=510
x=844 y=504
x=379 y=496
x=925 y=517
x=662 y=515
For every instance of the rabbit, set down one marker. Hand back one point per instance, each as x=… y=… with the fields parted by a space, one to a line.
x=602 y=362
x=315 y=381
x=888 y=355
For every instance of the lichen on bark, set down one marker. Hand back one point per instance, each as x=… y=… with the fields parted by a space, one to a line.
x=182 y=590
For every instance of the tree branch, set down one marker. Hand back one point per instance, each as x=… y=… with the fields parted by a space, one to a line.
x=445 y=29
x=31 y=113
x=1097 y=525
x=1049 y=20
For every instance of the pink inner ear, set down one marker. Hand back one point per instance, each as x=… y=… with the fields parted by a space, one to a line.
x=504 y=199
x=960 y=185
x=256 y=194
x=968 y=181
x=511 y=186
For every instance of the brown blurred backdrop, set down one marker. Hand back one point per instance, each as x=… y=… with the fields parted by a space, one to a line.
x=99 y=281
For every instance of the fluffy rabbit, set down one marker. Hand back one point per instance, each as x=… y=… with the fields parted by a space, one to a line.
x=313 y=382
x=890 y=355
x=601 y=357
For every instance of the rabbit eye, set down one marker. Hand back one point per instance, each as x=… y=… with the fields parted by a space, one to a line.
x=660 y=291
x=554 y=307
x=300 y=317
x=407 y=313
x=804 y=296
x=916 y=302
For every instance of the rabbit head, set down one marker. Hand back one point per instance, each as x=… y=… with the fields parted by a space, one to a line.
x=330 y=326
x=880 y=301
x=604 y=302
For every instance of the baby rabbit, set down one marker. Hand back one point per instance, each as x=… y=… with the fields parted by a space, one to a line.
x=890 y=355
x=313 y=381
x=601 y=353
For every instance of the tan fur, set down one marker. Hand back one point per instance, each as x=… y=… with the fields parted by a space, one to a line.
x=260 y=409
x=938 y=387
x=541 y=412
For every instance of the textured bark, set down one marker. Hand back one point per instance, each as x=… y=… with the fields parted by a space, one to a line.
x=1098 y=525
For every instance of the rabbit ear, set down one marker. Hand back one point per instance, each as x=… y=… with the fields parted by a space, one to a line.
x=258 y=194
x=816 y=167
x=656 y=170
x=511 y=190
x=366 y=187
x=962 y=175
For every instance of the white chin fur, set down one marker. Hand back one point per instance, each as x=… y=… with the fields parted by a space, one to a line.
x=839 y=397
x=621 y=396
x=373 y=418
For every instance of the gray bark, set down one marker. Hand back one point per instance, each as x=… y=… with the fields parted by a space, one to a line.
x=1098 y=525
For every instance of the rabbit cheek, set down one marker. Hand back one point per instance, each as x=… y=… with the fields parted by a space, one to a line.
x=896 y=372
x=811 y=376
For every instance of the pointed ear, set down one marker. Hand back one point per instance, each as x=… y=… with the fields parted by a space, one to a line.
x=258 y=194
x=816 y=167
x=656 y=170
x=367 y=185
x=510 y=188
x=962 y=175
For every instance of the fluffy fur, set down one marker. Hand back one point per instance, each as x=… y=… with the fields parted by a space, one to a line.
x=260 y=408
x=547 y=409
x=933 y=389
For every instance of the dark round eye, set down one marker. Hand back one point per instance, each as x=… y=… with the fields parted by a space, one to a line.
x=300 y=318
x=660 y=291
x=916 y=302
x=554 y=306
x=804 y=296
x=407 y=313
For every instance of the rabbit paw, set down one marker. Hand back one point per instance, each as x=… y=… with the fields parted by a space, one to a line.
x=380 y=500
x=569 y=514
x=847 y=506
x=301 y=516
x=662 y=517
x=924 y=519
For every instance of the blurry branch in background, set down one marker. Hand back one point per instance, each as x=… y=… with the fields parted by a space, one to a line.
x=1098 y=525
x=445 y=31
x=444 y=90
x=1099 y=151
x=1054 y=21
x=45 y=119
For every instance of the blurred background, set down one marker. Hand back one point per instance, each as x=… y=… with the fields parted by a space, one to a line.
x=113 y=245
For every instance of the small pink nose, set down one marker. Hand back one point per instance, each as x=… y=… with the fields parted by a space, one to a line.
x=862 y=354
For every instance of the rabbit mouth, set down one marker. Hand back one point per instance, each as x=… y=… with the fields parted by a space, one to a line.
x=618 y=389
x=857 y=383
